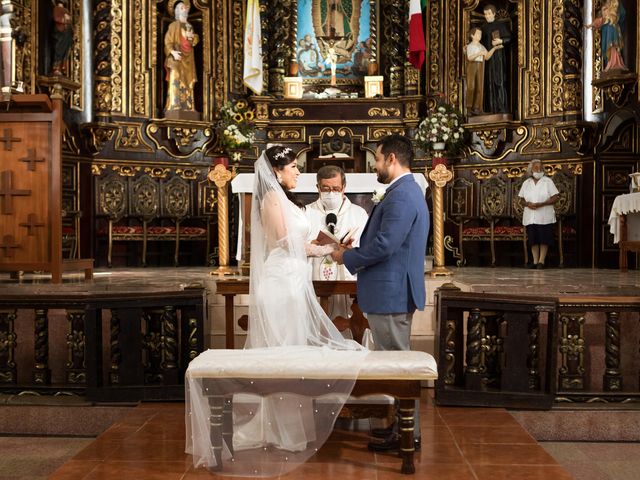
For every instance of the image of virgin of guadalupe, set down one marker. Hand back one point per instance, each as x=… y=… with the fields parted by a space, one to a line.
x=338 y=21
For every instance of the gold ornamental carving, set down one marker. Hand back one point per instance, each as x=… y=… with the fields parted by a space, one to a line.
x=262 y=111
x=544 y=140
x=77 y=51
x=139 y=106
x=434 y=49
x=287 y=112
x=384 y=112
x=183 y=136
x=376 y=133
x=617 y=87
x=286 y=134
x=126 y=170
x=118 y=93
x=484 y=173
x=453 y=77
x=536 y=69
x=129 y=138
x=100 y=136
x=440 y=175
x=237 y=36
x=220 y=175
x=557 y=55
x=97 y=170
x=411 y=110
x=489 y=138
x=573 y=136
x=514 y=172
x=157 y=172
x=188 y=173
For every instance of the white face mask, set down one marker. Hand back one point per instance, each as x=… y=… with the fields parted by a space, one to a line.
x=538 y=175
x=331 y=200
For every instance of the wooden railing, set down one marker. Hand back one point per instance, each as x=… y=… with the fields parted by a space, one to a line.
x=153 y=335
x=528 y=352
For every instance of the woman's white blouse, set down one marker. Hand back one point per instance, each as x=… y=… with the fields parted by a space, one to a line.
x=538 y=192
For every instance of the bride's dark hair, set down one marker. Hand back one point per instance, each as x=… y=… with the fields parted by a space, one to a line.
x=279 y=157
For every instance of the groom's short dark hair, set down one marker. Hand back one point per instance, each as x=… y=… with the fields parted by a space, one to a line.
x=400 y=146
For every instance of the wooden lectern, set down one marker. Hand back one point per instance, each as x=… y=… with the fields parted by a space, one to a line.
x=30 y=188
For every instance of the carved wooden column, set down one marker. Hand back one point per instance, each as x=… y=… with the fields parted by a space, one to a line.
x=612 y=378
x=221 y=177
x=41 y=371
x=8 y=370
x=439 y=175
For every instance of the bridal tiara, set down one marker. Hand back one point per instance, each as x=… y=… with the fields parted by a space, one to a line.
x=283 y=153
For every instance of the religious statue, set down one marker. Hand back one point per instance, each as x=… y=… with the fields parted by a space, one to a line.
x=611 y=24
x=180 y=64
x=496 y=73
x=476 y=55
x=62 y=37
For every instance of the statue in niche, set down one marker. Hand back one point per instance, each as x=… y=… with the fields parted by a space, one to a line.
x=476 y=55
x=6 y=66
x=496 y=73
x=180 y=65
x=611 y=23
x=62 y=37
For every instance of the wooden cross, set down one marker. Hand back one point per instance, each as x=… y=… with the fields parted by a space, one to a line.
x=31 y=223
x=7 y=193
x=31 y=159
x=8 y=243
x=8 y=139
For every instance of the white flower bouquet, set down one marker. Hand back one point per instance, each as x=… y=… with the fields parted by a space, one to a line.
x=378 y=195
x=441 y=130
x=235 y=127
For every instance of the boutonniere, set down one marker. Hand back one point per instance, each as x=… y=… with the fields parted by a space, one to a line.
x=378 y=195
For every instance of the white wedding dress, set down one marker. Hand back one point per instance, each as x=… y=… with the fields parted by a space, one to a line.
x=277 y=429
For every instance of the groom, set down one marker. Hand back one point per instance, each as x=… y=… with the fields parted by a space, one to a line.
x=390 y=259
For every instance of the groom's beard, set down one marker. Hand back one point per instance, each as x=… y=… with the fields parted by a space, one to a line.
x=383 y=177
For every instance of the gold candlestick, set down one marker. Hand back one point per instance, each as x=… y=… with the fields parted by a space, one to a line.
x=439 y=175
x=221 y=177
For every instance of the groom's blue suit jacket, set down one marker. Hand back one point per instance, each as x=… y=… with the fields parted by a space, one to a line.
x=390 y=259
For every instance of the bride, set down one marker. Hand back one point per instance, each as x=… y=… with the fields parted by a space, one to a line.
x=285 y=424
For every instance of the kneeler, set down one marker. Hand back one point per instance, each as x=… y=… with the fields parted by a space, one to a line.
x=395 y=373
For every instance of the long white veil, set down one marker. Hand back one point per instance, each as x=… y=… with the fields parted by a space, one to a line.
x=278 y=423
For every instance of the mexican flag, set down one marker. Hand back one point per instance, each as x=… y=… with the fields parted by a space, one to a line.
x=252 y=74
x=417 y=48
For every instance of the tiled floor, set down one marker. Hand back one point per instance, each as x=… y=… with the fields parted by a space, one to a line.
x=458 y=443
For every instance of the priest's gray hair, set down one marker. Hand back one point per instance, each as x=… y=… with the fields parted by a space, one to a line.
x=530 y=166
x=329 y=171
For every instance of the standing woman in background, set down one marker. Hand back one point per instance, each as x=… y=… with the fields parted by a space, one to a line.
x=538 y=194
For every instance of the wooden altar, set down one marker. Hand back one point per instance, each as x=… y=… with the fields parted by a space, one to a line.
x=30 y=189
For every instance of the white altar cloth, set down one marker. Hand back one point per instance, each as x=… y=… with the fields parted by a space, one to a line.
x=623 y=205
x=356 y=183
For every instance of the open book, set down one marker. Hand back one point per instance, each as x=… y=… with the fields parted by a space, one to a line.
x=327 y=238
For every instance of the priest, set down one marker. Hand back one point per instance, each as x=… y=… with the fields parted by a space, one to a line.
x=335 y=215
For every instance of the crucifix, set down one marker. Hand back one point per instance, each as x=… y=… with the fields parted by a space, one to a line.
x=31 y=159
x=8 y=139
x=8 y=244
x=7 y=193
x=31 y=224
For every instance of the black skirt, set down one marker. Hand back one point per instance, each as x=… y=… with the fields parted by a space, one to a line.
x=541 y=234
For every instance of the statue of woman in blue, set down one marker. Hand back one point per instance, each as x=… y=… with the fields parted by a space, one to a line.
x=611 y=23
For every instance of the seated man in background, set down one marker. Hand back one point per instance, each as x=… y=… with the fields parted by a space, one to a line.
x=334 y=213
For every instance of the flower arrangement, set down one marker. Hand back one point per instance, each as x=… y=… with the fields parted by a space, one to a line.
x=235 y=127
x=378 y=195
x=441 y=130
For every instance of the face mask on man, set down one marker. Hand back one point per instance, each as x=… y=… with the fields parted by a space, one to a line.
x=331 y=200
x=538 y=175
